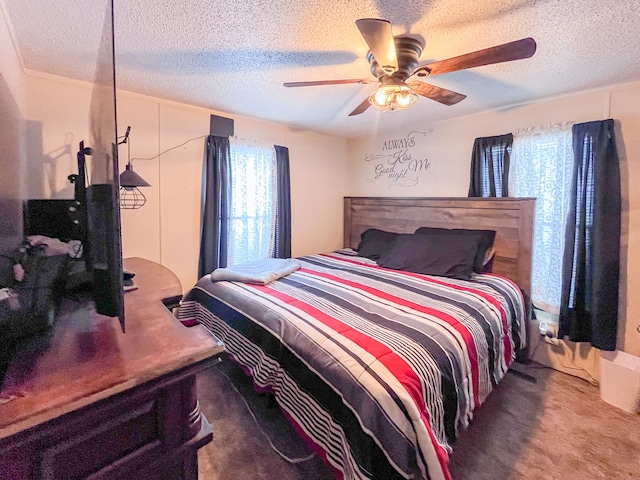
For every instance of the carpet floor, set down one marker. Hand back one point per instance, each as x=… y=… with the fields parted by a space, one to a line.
x=555 y=428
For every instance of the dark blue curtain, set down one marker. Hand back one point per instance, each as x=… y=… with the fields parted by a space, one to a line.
x=283 y=208
x=589 y=305
x=490 y=166
x=215 y=224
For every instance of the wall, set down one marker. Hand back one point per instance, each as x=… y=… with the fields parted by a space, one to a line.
x=12 y=106
x=166 y=147
x=57 y=120
x=447 y=148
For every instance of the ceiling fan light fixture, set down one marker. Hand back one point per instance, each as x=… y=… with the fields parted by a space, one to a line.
x=392 y=97
x=394 y=59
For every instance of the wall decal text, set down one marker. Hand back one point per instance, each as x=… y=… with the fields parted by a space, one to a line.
x=400 y=162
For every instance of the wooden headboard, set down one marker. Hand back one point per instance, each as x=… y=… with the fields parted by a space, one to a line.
x=511 y=218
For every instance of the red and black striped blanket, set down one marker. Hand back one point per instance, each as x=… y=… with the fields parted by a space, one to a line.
x=378 y=369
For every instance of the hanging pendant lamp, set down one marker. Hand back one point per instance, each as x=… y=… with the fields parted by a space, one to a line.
x=131 y=197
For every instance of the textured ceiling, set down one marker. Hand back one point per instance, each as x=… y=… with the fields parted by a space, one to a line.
x=233 y=56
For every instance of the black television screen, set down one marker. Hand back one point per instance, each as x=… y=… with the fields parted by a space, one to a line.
x=93 y=216
x=103 y=242
x=31 y=285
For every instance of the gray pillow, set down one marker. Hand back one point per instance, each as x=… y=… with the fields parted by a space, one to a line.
x=374 y=243
x=440 y=255
x=483 y=239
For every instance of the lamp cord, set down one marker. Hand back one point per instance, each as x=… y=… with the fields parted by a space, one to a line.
x=169 y=149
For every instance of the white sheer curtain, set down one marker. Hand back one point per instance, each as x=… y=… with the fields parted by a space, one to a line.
x=252 y=202
x=541 y=165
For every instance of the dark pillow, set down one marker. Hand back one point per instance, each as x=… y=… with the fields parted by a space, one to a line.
x=440 y=255
x=374 y=242
x=483 y=238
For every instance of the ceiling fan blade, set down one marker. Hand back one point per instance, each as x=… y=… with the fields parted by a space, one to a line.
x=329 y=82
x=439 y=94
x=379 y=37
x=361 y=108
x=507 y=52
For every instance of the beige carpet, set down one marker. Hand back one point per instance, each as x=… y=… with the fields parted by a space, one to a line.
x=556 y=428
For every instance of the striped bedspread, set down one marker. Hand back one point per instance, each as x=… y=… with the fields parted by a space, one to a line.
x=377 y=369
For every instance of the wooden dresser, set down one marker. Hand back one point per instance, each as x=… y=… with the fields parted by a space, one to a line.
x=89 y=401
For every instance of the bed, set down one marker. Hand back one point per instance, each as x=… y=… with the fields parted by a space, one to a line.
x=380 y=369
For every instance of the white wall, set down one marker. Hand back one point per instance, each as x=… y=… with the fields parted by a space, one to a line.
x=12 y=171
x=57 y=120
x=10 y=66
x=448 y=148
x=167 y=228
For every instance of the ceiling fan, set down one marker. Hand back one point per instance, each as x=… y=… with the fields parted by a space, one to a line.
x=395 y=59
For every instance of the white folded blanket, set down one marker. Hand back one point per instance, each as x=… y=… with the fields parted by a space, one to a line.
x=259 y=271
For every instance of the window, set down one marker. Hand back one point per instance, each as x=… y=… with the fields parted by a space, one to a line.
x=495 y=155
x=246 y=203
x=252 y=202
x=490 y=166
x=541 y=167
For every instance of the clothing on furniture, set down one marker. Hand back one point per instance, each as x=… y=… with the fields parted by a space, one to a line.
x=262 y=271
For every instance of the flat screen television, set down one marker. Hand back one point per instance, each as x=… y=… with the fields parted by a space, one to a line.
x=99 y=157
x=96 y=210
x=102 y=244
x=92 y=218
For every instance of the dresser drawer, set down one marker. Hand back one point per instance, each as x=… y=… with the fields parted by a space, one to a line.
x=109 y=445
x=151 y=431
